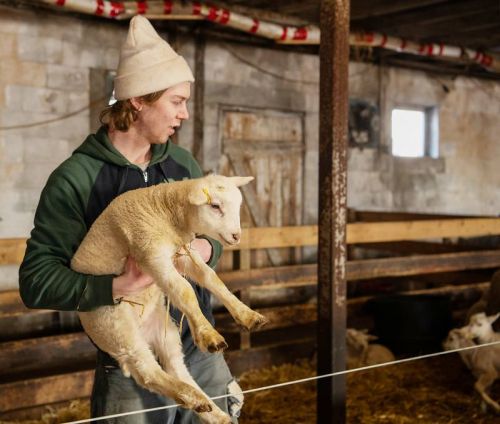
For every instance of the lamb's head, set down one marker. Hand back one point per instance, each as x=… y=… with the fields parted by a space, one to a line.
x=217 y=200
x=357 y=340
x=480 y=325
x=458 y=338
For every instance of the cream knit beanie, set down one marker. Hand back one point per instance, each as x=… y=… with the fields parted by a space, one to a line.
x=147 y=63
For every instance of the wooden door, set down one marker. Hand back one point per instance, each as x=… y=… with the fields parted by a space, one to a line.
x=269 y=145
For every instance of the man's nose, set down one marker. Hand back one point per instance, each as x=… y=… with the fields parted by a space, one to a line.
x=183 y=113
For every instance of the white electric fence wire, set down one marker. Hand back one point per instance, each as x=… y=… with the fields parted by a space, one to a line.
x=303 y=380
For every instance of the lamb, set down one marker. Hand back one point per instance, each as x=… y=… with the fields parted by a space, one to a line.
x=481 y=327
x=483 y=362
x=360 y=353
x=152 y=225
x=489 y=303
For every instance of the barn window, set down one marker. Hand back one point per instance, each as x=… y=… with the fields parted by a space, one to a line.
x=415 y=132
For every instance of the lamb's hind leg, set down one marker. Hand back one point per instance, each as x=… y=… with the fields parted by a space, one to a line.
x=147 y=372
x=167 y=346
x=482 y=385
x=159 y=265
x=205 y=276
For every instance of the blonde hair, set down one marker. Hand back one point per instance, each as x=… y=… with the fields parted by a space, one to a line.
x=122 y=113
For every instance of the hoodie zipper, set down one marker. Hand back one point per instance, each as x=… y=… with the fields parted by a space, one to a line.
x=145 y=175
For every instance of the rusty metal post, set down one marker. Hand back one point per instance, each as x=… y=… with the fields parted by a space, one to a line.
x=332 y=253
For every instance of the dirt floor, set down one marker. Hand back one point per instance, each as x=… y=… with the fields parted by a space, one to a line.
x=435 y=391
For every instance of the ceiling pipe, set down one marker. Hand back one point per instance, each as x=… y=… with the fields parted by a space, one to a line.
x=177 y=10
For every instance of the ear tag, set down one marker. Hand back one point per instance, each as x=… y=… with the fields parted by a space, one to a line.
x=209 y=199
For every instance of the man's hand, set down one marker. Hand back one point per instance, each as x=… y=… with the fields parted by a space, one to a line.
x=203 y=247
x=132 y=281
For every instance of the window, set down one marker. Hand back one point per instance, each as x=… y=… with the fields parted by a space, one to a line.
x=415 y=132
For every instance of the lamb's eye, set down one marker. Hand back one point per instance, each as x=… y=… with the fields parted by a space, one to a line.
x=215 y=206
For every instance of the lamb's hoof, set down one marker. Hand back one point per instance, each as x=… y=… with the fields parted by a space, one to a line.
x=253 y=320
x=210 y=341
x=193 y=399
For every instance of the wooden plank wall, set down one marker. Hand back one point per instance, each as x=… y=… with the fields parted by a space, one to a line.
x=42 y=359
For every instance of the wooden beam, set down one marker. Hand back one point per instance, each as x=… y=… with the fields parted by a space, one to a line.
x=47 y=354
x=430 y=14
x=332 y=213
x=45 y=390
x=370 y=8
x=57 y=388
x=301 y=314
x=12 y=250
x=305 y=275
x=199 y=98
x=255 y=358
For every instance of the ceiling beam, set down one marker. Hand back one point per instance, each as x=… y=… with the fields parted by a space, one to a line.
x=362 y=9
x=430 y=14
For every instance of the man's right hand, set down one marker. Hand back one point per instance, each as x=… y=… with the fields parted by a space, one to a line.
x=132 y=281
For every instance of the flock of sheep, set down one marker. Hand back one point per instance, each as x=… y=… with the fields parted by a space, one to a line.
x=155 y=223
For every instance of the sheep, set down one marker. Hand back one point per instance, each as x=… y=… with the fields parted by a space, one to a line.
x=360 y=353
x=481 y=327
x=153 y=225
x=489 y=303
x=484 y=363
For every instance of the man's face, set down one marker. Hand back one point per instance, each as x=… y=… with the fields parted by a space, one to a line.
x=158 y=121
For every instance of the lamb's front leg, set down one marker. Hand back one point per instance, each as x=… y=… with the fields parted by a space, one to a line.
x=160 y=266
x=199 y=271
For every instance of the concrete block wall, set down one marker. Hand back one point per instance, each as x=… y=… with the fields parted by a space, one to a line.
x=45 y=61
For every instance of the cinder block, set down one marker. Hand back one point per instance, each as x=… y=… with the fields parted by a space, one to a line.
x=35 y=175
x=46 y=150
x=13 y=71
x=67 y=78
x=9 y=276
x=62 y=28
x=8 y=46
x=32 y=99
x=112 y=57
x=83 y=55
x=105 y=34
x=18 y=22
x=40 y=49
x=11 y=149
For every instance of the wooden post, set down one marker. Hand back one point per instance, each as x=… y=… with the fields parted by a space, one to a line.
x=199 y=98
x=332 y=220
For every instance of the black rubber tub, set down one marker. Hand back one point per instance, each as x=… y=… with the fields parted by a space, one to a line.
x=412 y=324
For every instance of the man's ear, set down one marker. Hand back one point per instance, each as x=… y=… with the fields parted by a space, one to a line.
x=136 y=102
x=240 y=181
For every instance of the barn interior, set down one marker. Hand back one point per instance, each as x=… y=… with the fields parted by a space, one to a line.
x=422 y=201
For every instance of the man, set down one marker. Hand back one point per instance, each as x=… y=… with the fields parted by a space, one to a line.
x=131 y=150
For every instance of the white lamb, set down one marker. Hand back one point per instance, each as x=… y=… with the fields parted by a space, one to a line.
x=484 y=363
x=481 y=327
x=152 y=225
x=361 y=353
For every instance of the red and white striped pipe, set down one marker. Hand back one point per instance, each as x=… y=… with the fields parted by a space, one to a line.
x=280 y=33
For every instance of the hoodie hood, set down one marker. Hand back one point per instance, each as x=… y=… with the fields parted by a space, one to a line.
x=99 y=146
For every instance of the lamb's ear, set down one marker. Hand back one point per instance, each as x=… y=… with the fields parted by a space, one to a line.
x=493 y=318
x=240 y=181
x=199 y=195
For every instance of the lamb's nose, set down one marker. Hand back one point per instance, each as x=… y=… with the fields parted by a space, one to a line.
x=236 y=237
